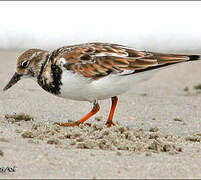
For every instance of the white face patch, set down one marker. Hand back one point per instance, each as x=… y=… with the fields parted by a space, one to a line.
x=62 y=61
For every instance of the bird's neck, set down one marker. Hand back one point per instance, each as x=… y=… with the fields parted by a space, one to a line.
x=49 y=77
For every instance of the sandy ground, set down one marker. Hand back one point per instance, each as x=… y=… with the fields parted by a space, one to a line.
x=158 y=133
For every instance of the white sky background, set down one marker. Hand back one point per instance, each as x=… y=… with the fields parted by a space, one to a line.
x=158 y=26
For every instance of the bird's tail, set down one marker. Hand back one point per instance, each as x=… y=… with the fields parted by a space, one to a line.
x=174 y=58
x=194 y=57
x=168 y=60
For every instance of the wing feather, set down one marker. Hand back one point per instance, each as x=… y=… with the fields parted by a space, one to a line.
x=96 y=60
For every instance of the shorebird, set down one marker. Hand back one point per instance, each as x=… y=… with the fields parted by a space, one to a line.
x=91 y=72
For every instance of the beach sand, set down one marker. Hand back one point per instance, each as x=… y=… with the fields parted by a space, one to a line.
x=158 y=131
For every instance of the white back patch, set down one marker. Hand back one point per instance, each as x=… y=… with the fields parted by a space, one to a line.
x=111 y=54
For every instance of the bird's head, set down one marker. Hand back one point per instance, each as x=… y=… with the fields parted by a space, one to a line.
x=28 y=65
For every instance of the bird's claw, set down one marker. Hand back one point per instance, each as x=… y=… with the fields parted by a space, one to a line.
x=109 y=124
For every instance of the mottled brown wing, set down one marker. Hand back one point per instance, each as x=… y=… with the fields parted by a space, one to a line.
x=98 y=60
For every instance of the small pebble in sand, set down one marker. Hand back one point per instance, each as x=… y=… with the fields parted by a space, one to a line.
x=2 y=139
x=179 y=149
x=46 y=154
x=121 y=129
x=90 y=144
x=1 y=153
x=98 y=118
x=186 y=89
x=148 y=154
x=61 y=137
x=53 y=141
x=154 y=136
x=153 y=129
x=41 y=137
x=35 y=126
x=27 y=134
x=143 y=94
x=92 y=154
x=72 y=142
x=18 y=117
x=76 y=133
x=154 y=146
x=177 y=119
x=80 y=139
x=33 y=141
x=57 y=128
x=193 y=138
x=11 y=120
x=18 y=131
x=166 y=147
x=86 y=145
x=97 y=126
x=118 y=153
x=197 y=87
x=80 y=145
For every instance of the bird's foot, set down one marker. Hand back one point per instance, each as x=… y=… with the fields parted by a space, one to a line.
x=109 y=124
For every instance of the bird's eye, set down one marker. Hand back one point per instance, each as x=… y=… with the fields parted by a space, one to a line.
x=25 y=64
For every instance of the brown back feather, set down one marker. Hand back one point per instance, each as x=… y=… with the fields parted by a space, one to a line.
x=96 y=60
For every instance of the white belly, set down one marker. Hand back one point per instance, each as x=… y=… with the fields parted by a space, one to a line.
x=77 y=87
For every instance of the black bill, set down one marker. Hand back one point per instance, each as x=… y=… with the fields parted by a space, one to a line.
x=16 y=77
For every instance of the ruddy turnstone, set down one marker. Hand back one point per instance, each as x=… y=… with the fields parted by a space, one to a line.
x=91 y=71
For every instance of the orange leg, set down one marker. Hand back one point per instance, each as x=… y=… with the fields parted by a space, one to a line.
x=76 y=123
x=113 y=107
